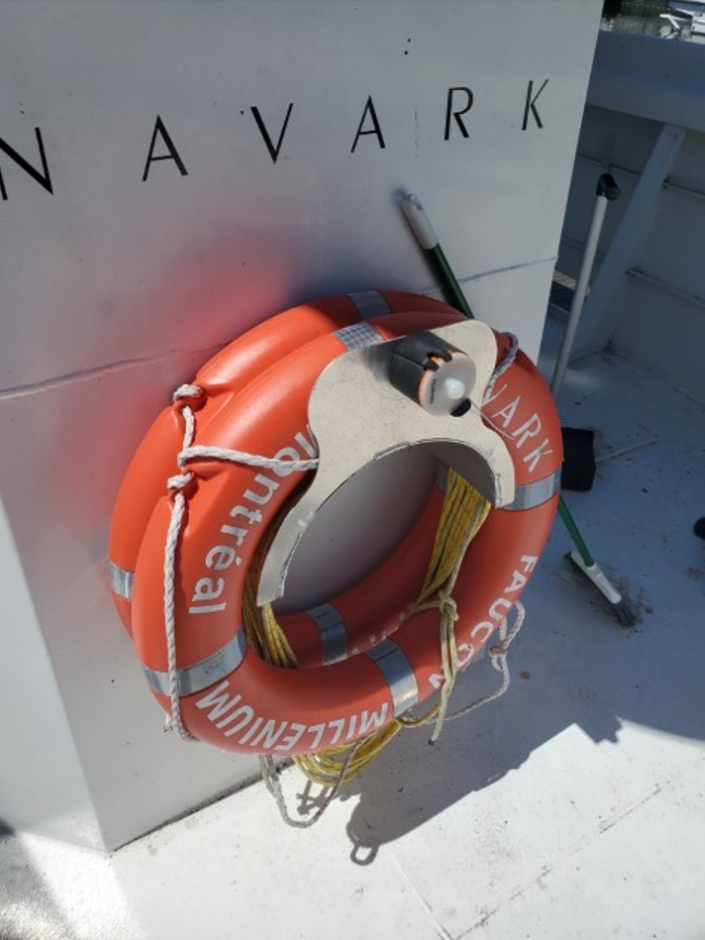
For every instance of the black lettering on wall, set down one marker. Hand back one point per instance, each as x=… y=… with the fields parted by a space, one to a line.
x=173 y=153
x=43 y=180
x=273 y=150
x=376 y=130
x=457 y=114
x=530 y=105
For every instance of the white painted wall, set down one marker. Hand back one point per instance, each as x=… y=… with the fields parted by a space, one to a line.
x=42 y=786
x=656 y=312
x=113 y=288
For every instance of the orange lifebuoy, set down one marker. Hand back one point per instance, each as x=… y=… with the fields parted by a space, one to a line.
x=253 y=397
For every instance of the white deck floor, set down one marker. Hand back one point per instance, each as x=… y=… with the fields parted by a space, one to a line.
x=572 y=808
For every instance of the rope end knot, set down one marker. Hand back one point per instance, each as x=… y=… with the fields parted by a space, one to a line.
x=448 y=606
x=191 y=393
x=180 y=482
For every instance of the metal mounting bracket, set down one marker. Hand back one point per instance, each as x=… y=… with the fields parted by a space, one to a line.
x=357 y=417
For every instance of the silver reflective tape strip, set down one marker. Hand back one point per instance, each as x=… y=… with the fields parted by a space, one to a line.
x=369 y=303
x=195 y=678
x=121 y=580
x=358 y=336
x=331 y=628
x=400 y=677
x=530 y=495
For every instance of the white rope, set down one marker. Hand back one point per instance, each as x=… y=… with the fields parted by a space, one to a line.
x=270 y=775
x=176 y=485
x=498 y=656
x=449 y=659
x=238 y=456
x=508 y=361
x=175 y=722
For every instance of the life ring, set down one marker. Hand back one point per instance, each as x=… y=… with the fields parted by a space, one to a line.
x=253 y=397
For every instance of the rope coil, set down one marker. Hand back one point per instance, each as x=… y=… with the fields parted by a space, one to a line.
x=463 y=513
x=464 y=510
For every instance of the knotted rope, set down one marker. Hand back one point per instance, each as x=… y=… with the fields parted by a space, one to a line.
x=177 y=485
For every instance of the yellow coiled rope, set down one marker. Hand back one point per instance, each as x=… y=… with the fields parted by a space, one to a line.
x=463 y=512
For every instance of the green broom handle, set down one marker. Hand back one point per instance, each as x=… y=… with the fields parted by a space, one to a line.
x=574 y=533
x=428 y=241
